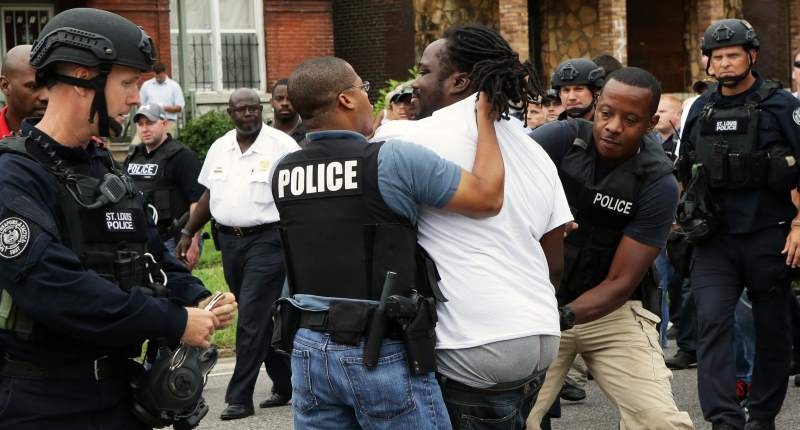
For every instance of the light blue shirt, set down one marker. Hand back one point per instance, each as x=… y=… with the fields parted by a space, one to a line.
x=168 y=93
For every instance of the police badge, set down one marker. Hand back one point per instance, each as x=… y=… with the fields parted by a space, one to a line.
x=14 y=236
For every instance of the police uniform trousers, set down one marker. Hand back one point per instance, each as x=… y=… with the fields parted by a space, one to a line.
x=623 y=353
x=722 y=267
x=254 y=270
x=67 y=404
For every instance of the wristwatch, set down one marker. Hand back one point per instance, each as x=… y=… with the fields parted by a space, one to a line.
x=796 y=223
x=186 y=232
x=566 y=318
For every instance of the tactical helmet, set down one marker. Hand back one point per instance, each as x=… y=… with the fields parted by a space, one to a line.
x=91 y=38
x=578 y=71
x=729 y=32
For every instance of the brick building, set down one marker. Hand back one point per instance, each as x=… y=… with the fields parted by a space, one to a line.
x=232 y=43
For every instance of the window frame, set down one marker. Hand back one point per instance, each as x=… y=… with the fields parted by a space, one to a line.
x=216 y=44
x=49 y=8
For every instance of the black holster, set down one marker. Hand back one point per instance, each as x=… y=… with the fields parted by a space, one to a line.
x=698 y=214
x=651 y=294
x=286 y=319
x=419 y=337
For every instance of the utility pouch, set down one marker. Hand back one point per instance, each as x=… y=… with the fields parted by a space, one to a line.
x=286 y=319
x=718 y=166
x=419 y=338
x=347 y=322
x=129 y=270
x=738 y=170
x=782 y=169
x=698 y=214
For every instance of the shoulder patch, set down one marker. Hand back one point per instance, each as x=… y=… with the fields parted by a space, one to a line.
x=796 y=116
x=14 y=237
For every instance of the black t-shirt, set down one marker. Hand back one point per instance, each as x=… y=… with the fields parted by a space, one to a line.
x=182 y=169
x=657 y=201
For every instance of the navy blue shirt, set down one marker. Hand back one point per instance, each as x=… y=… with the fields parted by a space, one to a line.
x=743 y=210
x=79 y=315
x=657 y=201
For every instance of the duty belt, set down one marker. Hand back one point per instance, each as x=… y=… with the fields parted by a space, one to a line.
x=318 y=321
x=98 y=369
x=245 y=231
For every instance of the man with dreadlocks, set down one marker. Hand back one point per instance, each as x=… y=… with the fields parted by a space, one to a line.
x=498 y=330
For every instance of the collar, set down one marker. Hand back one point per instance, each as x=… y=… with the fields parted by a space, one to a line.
x=335 y=134
x=741 y=96
x=70 y=154
x=258 y=144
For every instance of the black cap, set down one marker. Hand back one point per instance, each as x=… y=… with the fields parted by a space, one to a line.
x=92 y=37
x=578 y=71
x=729 y=32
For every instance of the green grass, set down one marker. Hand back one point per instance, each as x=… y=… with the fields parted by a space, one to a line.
x=209 y=270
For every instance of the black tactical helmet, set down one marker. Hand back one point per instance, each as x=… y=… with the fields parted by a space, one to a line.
x=91 y=38
x=578 y=71
x=729 y=32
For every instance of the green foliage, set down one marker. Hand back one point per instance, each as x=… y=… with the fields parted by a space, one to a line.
x=391 y=84
x=209 y=270
x=202 y=131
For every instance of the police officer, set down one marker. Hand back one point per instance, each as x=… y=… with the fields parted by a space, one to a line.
x=578 y=82
x=618 y=182
x=739 y=160
x=166 y=172
x=348 y=210
x=78 y=257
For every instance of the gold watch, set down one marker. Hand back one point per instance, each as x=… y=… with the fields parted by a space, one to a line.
x=796 y=223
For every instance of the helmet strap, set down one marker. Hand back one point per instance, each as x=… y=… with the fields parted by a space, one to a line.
x=106 y=126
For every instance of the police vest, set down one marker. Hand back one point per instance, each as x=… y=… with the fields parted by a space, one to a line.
x=602 y=208
x=150 y=176
x=728 y=146
x=111 y=240
x=339 y=236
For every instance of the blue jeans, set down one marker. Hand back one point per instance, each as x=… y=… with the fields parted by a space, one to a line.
x=332 y=389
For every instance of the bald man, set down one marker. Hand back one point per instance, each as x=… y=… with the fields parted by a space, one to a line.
x=24 y=97
x=669 y=112
x=236 y=173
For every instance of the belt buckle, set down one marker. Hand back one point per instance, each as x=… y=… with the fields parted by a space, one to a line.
x=97 y=372
x=237 y=231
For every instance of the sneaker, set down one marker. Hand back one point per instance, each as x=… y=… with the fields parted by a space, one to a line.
x=672 y=332
x=572 y=393
x=681 y=360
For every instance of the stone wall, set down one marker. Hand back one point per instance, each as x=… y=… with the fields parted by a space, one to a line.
x=514 y=26
x=570 y=29
x=613 y=26
x=433 y=17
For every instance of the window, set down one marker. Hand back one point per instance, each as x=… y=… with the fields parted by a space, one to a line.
x=225 y=44
x=21 y=25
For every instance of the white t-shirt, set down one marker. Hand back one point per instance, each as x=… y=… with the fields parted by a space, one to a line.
x=687 y=106
x=494 y=271
x=167 y=93
x=240 y=185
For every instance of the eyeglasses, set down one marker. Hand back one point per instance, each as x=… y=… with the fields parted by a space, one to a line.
x=364 y=86
x=247 y=109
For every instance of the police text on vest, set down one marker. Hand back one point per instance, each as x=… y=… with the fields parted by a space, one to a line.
x=318 y=178
x=142 y=169
x=727 y=125
x=613 y=204
x=119 y=221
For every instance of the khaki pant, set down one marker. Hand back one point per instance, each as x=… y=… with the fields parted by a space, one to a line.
x=622 y=352
x=578 y=374
x=172 y=129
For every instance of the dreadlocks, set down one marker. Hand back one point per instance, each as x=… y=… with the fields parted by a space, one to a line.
x=493 y=67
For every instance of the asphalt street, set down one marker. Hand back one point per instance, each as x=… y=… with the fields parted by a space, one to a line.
x=596 y=412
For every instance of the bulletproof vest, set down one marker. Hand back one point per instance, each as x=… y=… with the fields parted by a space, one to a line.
x=110 y=239
x=602 y=208
x=339 y=236
x=728 y=146
x=150 y=176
